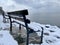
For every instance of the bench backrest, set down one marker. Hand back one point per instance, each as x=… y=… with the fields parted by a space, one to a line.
x=18 y=13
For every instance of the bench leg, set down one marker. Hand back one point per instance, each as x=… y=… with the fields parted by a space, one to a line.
x=10 y=25
x=19 y=26
x=27 y=42
x=42 y=35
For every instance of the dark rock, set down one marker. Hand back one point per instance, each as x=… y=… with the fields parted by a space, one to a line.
x=47 y=26
x=31 y=31
x=52 y=31
x=46 y=34
x=49 y=41
x=57 y=37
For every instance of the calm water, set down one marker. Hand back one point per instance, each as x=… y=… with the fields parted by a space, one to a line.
x=46 y=18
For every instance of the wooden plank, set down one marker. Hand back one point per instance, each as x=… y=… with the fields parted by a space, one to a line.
x=18 y=13
x=20 y=19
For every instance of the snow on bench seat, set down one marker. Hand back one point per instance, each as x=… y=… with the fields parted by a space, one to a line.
x=6 y=38
x=32 y=25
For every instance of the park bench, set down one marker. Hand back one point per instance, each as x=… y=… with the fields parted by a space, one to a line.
x=21 y=16
x=18 y=15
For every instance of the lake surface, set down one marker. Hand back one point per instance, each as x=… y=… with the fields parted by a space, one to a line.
x=52 y=18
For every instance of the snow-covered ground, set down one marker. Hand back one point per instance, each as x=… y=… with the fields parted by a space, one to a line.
x=5 y=37
x=51 y=33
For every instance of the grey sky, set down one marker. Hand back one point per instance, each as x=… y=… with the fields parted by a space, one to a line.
x=38 y=9
x=40 y=5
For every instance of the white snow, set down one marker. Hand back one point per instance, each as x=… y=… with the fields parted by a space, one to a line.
x=5 y=37
x=52 y=39
x=54 y=36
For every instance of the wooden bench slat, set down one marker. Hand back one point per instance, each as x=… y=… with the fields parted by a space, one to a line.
x=18 y=13
x=20 y=19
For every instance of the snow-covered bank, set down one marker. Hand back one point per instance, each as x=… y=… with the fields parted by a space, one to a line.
x=3 y=25
x=51 y=33
x=6 y=38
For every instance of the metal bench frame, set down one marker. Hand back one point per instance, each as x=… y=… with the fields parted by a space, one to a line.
x=22 y=13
